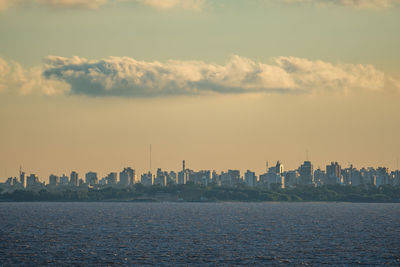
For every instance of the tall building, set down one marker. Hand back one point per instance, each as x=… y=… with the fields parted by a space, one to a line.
x=64 y=180
x=273 y=177
x=91 y=178
x=22 y=177
x=396 y=178
x=183 y=175
x=234 y=177
x=172 y=178
x=111 y=178
x=382 y=176
x=279 y=167
x=74 y=179
x=146 y=179
x=127 y=176
x=291 y=178
x=306 y=174
x=356 y=178
x=54 y=180
x=204 y=177
x=250 y=178
x=333 y=173
x=368 y=175
x=32 y=180
x=161 y=177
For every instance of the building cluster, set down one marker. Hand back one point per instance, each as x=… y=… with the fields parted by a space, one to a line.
x=274 y=176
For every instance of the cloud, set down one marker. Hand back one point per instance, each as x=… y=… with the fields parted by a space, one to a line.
x=127 y=77
x=368 y=4
x=4 y=71
x=4 y=4
x=164 y=4
x=92 y=4
x=73 y=3
x=13 y=77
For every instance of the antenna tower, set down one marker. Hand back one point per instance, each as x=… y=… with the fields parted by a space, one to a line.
x=150 y=160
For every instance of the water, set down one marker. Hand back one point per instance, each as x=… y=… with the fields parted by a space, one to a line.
x=199 y=234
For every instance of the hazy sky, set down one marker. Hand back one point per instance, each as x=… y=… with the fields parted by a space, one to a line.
x=89 y=84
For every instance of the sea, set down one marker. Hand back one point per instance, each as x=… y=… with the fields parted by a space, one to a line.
x=199 y=234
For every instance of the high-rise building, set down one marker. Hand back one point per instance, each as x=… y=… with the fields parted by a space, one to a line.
x=291 y=179
x=279 y=168
x=183 y=175
x=382 y=176
x=396 y=178
x=74 y=179
x=306 y=174
x=333 y=173
x=32 y=180
x=64 y=180
x=356 y=178
x=22 y=177
x=111 y=178
x=172 y=178
x=250 y=178
x=234 y=177
x=127 y=176
x=91 y=178
x=273 y=177
x=161 y=177
x=54 y=180
x=146 y=179
x=319 y=177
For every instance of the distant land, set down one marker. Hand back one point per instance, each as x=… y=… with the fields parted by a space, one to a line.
x=276 y=184
x=197 y=193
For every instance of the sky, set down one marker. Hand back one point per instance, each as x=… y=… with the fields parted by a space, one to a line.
x=88 y=85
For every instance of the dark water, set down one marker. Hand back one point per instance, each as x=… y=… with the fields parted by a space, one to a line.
x=199 y=234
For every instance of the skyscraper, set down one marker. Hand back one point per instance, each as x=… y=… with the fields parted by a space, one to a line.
x=279 y=167
x=250 y=178
x=127 y=176
x=91 y=178
x=333 y=173
x=54 y=180
x=306 y=173
x=74 y=179
x=111 y=178
x=22 y=177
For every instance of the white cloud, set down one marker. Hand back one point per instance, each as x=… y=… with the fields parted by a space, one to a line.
x=327 y=76
x=186 y=4
x=92 y=4
x=353 y=3
x=4 y=4
x=193 y=4
x=73 y=3
x=127 y=77
x=13 y=77
x=4 y=70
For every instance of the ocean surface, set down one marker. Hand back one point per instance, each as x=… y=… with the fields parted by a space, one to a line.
x=199 y=234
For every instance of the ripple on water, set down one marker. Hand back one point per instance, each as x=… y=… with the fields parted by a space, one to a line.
x=199 y=234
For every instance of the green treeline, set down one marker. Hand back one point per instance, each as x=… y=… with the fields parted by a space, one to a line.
x=196 y=193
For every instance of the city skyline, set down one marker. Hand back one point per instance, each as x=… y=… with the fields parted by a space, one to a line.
x=129 y=176
x=152 y=167
x=89 y=84
x=199 y=132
